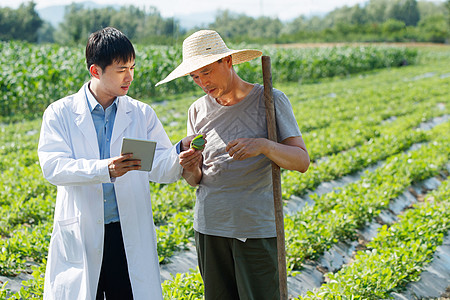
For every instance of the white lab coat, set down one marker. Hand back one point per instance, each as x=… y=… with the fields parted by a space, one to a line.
x=69 y=157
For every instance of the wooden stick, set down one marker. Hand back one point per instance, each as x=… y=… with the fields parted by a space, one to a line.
x=276 y=177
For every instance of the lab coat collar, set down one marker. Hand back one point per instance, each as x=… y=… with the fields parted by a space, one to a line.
x=84 y=119
x=92 y=102
x=123 y=119
x=86 y=124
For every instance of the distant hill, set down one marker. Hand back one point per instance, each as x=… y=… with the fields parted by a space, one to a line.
x=52 y=14
x=55 y=14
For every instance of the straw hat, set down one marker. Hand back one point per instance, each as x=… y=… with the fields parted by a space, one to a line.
x=203 y=48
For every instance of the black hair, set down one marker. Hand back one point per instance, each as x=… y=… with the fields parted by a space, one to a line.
x=108 y=45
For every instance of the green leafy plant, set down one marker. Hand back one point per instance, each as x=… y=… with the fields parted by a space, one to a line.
x=198 y=142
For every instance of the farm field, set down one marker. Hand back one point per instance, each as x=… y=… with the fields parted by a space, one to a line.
x=375 y=137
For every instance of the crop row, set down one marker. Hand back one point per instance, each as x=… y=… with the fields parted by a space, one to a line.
x=28 y=199
x=336 y=216
x=396 y=256
x=175 y=228
x=392 y=138
x=178 y=228
x=385 y=115
x=378 y=137
x=32 y=289
x=396 y=136
x=373 y=136
x=33 y=76
x=399 y=138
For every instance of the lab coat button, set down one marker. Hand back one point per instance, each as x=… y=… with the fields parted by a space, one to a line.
x=99 y=221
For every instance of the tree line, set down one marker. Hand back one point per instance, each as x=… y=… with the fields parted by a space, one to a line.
x=376 y=21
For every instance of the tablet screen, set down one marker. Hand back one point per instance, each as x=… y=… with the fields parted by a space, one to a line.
x=141 y=149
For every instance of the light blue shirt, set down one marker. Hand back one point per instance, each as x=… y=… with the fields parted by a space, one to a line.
x=104 y=123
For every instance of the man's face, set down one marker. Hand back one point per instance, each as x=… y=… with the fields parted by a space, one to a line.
x=115 y=79
x=215 y=78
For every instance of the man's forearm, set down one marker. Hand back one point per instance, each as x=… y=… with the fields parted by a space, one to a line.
x=193 y=178
x=290 y=157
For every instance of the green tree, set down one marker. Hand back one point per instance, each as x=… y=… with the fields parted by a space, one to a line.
x=393 y=30
x=265 y=27
x=447 y=5
x=140 y=26
x=358 y=15
x=393 y=25
x=20 y=24
x=230 y=25
x=298 y=24
x=45 y=33
x=376 y=10
x=128 y=19
x=74 y=28
x=242 y=28
x=29 y=21
x=434 y=29
x=427 y=8
x=7 y=22
x=406 y=11
x=155 y=29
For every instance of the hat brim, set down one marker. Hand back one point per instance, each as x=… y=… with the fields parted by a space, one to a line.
x=195 y=63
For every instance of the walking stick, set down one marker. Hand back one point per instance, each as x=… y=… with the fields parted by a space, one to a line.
x=276 y=177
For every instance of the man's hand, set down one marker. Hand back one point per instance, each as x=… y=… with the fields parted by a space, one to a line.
x=290 y=154
x=120 y=165
x=191 y=160
x=186 y=142
x=243 y=148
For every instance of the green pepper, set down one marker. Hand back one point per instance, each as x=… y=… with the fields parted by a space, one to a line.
x=198 y=142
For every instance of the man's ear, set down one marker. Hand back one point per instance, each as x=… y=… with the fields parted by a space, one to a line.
x=228 y=60
x=95 y=71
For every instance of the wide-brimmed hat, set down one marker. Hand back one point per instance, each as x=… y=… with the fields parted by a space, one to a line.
x=203 y=48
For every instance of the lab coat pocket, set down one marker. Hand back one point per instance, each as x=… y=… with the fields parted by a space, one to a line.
x=71 y=240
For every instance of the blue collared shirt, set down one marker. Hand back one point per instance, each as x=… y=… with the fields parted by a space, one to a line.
x=104 y=123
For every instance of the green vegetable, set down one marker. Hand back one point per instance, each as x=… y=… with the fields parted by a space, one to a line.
x=198 y=142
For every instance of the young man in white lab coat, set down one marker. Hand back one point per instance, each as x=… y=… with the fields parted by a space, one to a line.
x=103 y=241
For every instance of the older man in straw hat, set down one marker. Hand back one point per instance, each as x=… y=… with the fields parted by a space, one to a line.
x=234 y=213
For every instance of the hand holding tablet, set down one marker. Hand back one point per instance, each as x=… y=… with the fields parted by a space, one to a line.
x=143 y=150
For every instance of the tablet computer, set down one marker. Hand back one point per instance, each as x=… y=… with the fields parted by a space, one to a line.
x=141 y=149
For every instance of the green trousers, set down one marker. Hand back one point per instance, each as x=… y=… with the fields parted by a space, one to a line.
x=235 y=270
